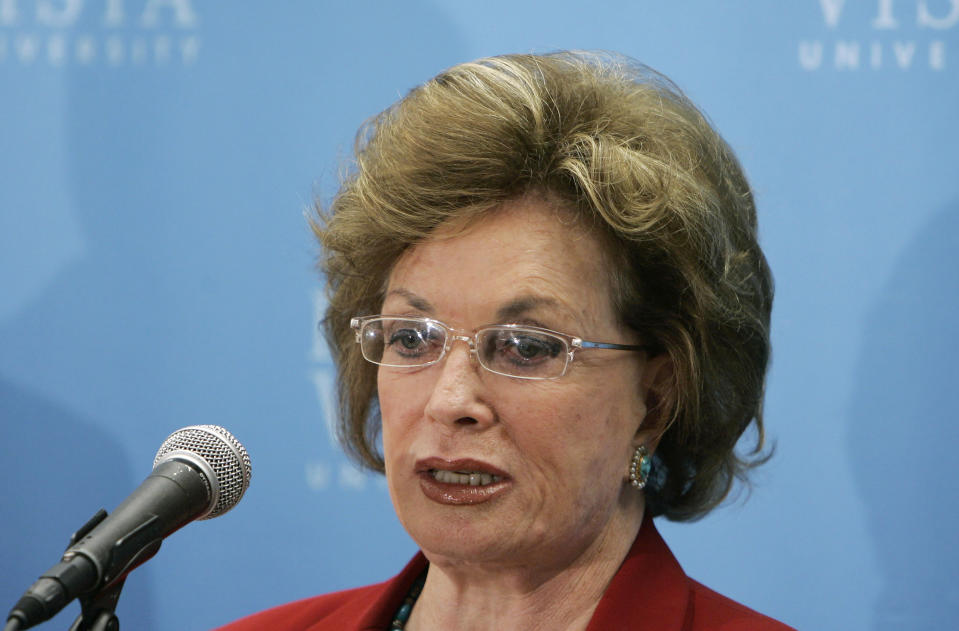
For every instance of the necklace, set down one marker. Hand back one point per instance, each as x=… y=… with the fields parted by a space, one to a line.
x=403 y=613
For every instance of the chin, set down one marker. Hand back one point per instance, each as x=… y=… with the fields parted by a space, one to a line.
x=459 y=534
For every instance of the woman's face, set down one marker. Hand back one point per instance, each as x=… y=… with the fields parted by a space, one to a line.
x=557 y=451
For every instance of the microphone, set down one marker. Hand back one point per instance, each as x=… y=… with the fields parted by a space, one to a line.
x=199 y=472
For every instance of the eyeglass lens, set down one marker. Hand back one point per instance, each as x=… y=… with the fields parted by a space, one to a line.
x=513 y=351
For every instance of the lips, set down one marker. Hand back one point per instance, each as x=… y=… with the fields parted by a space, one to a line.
x=461 y=482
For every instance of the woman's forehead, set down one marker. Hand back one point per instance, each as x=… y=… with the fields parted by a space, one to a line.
x=520 y=259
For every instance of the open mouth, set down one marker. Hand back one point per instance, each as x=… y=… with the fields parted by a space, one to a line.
x=462 y=481
x=469 y=478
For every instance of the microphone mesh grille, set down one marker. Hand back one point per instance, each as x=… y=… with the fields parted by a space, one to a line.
x=225 y=455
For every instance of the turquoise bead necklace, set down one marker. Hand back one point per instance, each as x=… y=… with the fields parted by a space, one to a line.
x=403 y=613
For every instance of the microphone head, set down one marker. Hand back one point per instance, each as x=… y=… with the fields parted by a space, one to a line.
x=219 y=456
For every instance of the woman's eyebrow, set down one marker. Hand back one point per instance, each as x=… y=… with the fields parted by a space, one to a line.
x=417 y=302
x=523 y=305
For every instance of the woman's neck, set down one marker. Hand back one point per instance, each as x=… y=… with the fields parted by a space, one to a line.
x=479 y=596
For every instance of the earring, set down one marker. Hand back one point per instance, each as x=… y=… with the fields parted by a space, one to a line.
x=639 y=467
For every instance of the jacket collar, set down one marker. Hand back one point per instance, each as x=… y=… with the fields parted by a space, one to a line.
x=650 y=592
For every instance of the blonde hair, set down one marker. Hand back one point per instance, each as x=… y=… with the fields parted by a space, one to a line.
x=623 y=149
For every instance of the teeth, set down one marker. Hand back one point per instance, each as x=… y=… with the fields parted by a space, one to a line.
x=472 y=478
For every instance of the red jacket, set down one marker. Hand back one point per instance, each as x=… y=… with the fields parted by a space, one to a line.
x=650 y=592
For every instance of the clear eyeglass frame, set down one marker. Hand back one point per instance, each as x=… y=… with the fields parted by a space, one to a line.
x=570 y=343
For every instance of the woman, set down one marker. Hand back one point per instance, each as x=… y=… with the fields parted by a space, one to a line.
x=547 y=297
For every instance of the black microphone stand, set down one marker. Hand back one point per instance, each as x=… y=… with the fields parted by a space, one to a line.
x=97 y=610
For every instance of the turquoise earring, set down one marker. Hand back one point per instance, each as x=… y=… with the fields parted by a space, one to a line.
x=639 y=467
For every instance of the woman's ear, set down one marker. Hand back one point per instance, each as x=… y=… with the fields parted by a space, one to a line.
x=658 y=388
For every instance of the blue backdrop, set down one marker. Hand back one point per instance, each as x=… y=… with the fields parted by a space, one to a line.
x=156 y=161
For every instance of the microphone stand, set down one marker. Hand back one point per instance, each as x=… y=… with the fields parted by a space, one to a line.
x=97 y=609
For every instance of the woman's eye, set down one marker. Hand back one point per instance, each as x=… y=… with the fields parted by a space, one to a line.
x=409 y=339
x=529 y=349
x=525 y=348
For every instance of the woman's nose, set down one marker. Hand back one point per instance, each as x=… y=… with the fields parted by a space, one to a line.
x=459 y=393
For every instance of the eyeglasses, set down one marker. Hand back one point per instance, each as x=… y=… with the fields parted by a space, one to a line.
x=513 y=350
